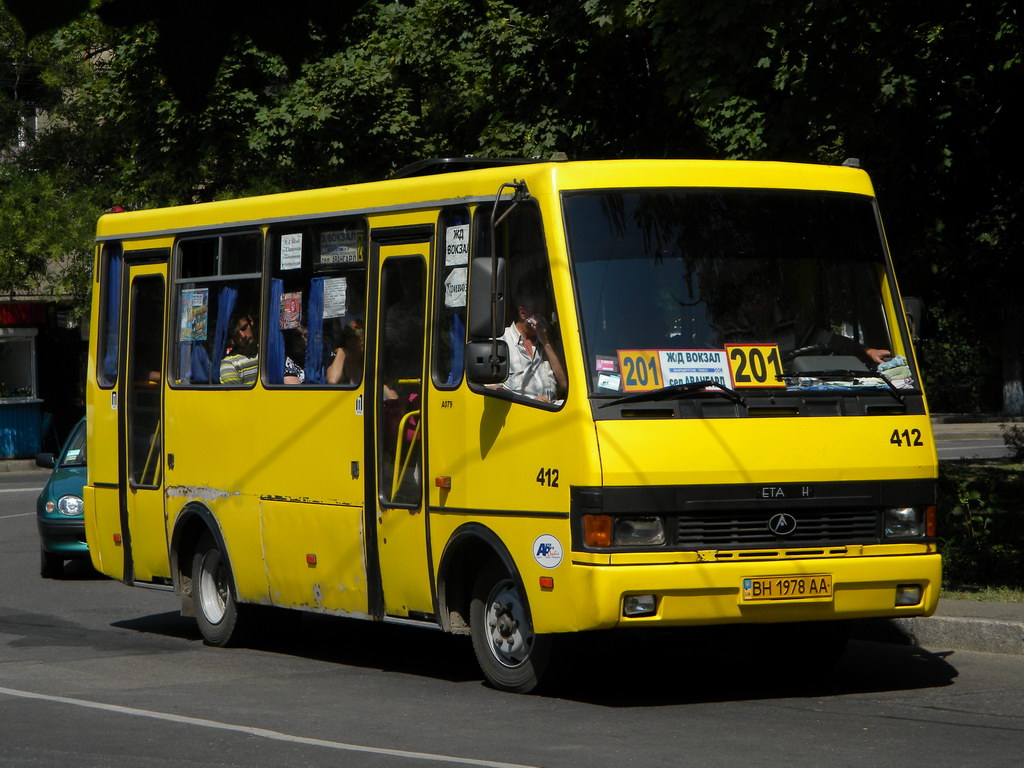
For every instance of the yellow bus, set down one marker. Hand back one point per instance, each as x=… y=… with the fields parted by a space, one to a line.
x=515 y=401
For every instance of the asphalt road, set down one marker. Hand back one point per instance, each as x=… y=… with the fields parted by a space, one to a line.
x=95 y=673
x=956 y=442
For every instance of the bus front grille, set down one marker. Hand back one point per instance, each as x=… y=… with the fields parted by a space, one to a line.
x=752 y=529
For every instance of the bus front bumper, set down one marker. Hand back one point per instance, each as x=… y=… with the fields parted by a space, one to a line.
x=704 y=593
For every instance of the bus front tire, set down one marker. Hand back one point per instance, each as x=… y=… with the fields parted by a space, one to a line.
x=511 y=656
x=213 y=601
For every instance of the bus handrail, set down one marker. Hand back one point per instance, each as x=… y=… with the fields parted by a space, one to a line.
x=402 y=466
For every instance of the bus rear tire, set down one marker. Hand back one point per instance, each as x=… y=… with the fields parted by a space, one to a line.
x=512 y=657
x=213 y=600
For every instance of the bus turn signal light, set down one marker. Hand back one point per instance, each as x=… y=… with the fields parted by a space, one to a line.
x=597 y=530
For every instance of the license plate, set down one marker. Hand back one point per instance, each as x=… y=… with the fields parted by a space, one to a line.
x=788 y=587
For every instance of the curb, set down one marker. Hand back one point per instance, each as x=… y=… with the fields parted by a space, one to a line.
x=946 y=632
x=19 y=465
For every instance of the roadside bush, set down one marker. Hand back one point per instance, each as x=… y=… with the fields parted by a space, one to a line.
x=1013 y=436
x=981 y=524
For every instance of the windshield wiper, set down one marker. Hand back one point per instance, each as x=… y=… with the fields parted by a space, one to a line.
x=848 y=375
x=680 y=390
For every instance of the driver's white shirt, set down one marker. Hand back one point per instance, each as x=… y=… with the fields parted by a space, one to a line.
x=531 y=376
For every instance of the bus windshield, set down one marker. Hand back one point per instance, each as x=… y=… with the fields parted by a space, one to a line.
x=776 y=289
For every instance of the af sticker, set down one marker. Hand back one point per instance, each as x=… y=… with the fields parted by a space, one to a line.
x=547 y=551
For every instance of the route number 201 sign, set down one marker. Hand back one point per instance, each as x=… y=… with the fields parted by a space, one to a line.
x=754 y=365
x=738 y=365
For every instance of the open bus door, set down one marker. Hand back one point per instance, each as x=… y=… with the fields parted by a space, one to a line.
x=397 y=388
x=140 y=428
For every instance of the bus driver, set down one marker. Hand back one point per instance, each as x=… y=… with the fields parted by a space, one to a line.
x=534 y=368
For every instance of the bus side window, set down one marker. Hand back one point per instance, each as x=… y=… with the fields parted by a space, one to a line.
x=317 y=303
x=536 y=359
x=110 y=315
x=218 y=289
x=450 y=302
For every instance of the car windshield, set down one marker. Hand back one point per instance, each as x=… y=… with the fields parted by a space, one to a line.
x=746 y=288
x=73 y=454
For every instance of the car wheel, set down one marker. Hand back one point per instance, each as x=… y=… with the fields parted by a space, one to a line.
x=213 y=600
x=511 y=656
x=51 y=566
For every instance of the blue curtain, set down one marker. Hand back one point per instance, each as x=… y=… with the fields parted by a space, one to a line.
x=200 y=360
x=315 y=371
x=457 y=337
x=113 y=315
x=184 y=362
x=225 y=308
x=275 y=337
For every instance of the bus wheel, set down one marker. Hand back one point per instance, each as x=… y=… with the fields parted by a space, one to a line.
x=510 y=655
x=212 y=599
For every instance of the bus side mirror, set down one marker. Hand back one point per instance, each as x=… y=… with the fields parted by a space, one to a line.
x=486 y=274
x=487 y=361
x=913 y=308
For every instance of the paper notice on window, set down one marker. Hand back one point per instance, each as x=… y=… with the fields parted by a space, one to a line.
x=456 y=245
x=291 y=251
x=687 y=366
x=455 y=288
x=335 y=297
x=195 y=313
x=342 y=246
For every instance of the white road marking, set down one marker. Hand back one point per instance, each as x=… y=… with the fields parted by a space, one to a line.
x=261 y=732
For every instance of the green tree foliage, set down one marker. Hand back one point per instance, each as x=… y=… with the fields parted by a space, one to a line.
x=306 y=94
x=45 y=234
x=924 y=94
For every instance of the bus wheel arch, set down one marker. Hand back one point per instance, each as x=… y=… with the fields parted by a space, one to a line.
x=214 y=600
x=480 y=593
x=464 y=556
x=194 y=521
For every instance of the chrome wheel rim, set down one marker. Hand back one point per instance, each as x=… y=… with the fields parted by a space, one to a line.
x=213 y=587
x=509 y=636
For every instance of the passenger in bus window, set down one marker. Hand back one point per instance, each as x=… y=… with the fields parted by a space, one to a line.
x=534 y=367
x=347 y=365
x=295 y=355
x=240 y=362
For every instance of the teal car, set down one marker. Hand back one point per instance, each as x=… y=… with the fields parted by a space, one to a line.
x=59 y=507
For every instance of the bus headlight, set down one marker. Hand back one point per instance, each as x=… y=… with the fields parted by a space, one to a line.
x=639 y=531
x=904 y=522
x=70 y=505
